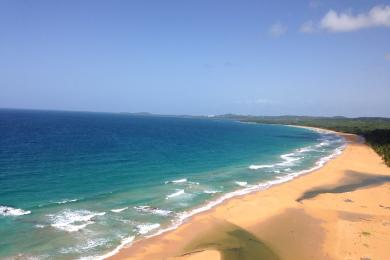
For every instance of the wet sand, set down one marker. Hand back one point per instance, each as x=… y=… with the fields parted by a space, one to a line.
x=341 y=211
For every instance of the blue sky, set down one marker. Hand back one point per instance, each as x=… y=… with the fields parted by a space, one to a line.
x=197 y=57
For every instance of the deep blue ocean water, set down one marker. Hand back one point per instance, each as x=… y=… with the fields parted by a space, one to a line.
x=76 y=184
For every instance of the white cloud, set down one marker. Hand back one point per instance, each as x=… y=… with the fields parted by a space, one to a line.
x=387 y=56
x=344 y=22
x=307 y=27
x=277 y=29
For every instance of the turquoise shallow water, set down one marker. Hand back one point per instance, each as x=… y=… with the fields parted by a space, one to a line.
x=76 y=185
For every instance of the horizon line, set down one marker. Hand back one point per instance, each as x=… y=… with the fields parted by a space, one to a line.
x=145 y=113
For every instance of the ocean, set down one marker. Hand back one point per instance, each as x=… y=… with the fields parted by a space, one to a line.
x=78 y=185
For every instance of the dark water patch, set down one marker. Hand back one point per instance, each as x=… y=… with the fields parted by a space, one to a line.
x=351 y=182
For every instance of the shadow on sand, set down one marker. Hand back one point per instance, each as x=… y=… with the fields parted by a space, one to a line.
x=350 y=182
x=232 y=242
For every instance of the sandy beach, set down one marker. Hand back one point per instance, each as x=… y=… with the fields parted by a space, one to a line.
x=341 y=211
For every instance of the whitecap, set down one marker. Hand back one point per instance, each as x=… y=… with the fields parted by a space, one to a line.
x=193 y=183
x=211 y=191
x=247 y=189
x=261 y=186
x=256 y=167
x=10 y=211
x=85 y=247
x=125 y=241
x=119 y=210
x=175 y=194
x=72 y=221
x=176 y=181
x=94 y=243
x=66 y=201
x=289 y=158
x=325 y=143
x=305 y=149
x=146 y=228
x=241 y=183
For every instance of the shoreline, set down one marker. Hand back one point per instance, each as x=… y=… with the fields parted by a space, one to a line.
x=133 y=251
x=204 y=208
x=314 y=223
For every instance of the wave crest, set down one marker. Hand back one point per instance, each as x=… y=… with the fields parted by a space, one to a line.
x=256 y=167
x=119 y=210
x=72 y=221
x=66 y=201
x=211 y=191
x=146 y=228
x=177 y=181
x=10 y=211
x=175 y=194
x=241 y=183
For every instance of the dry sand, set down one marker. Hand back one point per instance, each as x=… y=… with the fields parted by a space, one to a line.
x=341 y=211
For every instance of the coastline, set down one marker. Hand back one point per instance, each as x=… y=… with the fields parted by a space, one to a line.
x=268 y=205
x=70 y=216
x=187 y=216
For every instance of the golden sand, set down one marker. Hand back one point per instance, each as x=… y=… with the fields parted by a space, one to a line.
x=341 y=211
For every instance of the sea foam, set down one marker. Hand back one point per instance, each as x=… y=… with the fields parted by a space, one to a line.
x=181 y=217
x=119 y=210
x=256 y=167
x=153 y=210
x=288 y=159
x=126 y=241
x=72 y=221
x=176 y=181
x=10 y=211
x=211 y=191
x=175 y=194
x=146 y=228
x=66 y=201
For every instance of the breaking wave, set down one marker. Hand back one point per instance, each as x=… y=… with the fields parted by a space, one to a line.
x=175 y=194
x=10 y=211
x=72 y=221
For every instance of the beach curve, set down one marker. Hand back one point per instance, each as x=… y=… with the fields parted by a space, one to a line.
x=251 y=211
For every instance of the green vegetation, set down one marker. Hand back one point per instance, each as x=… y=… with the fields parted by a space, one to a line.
x=376 y=130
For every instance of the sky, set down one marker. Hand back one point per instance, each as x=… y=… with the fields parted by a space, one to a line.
x=198 y=57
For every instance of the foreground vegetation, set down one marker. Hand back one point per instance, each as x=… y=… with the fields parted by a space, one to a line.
x=375 y=130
